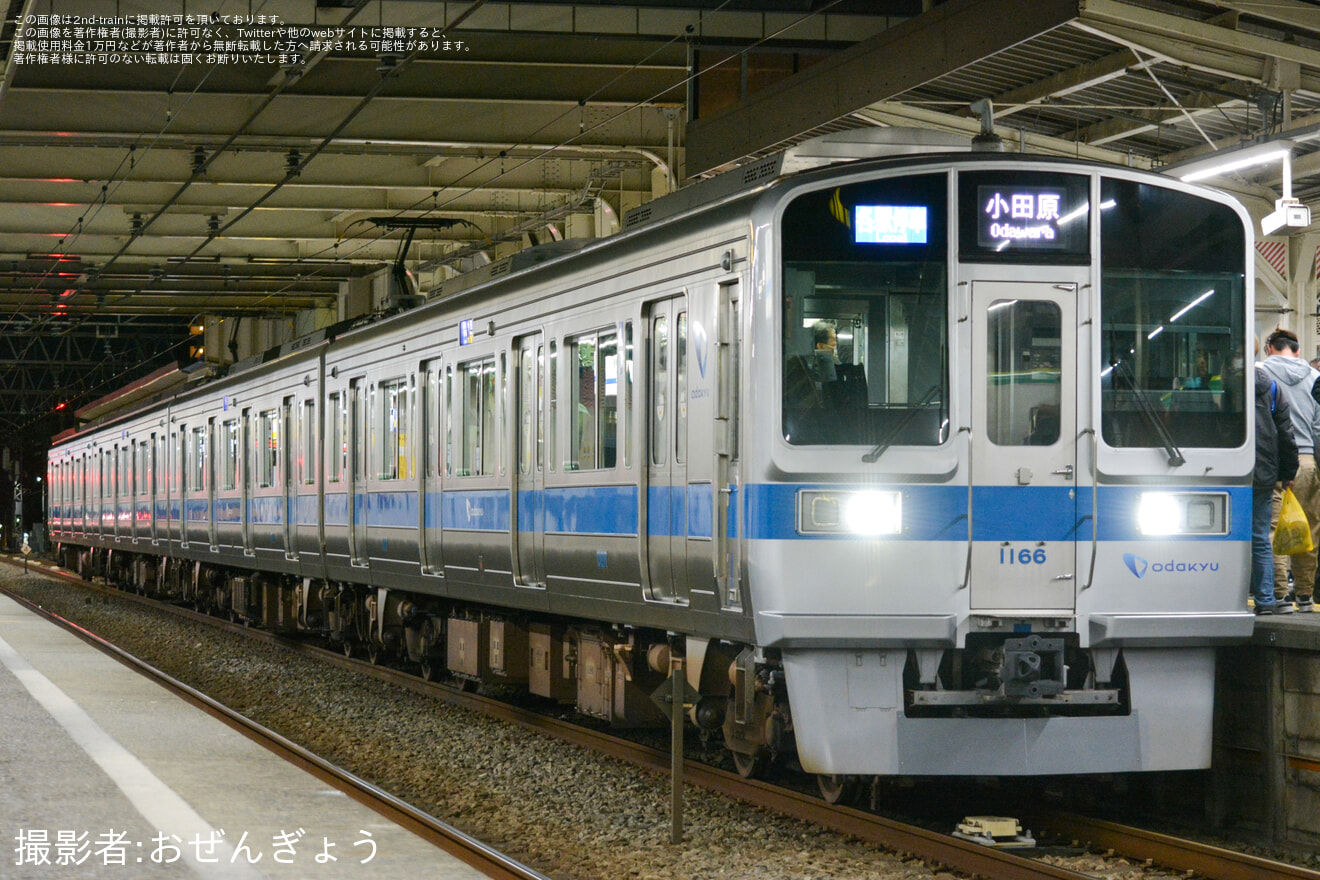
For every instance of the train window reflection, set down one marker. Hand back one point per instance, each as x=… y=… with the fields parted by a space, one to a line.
x=594 y=401
x=393 y=421
x=864 y=324
x=1172 y=334
x=478 y=431
x=1023 y=382
x=229 y=433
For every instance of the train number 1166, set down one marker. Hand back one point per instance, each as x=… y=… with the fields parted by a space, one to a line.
x=1009 y=556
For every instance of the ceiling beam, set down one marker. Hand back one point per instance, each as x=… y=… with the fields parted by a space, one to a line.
x=934 y=43
x=1065 y=82
x=1138 y=121
x=1107 y=13
x=907 y=115
x=1292 y=13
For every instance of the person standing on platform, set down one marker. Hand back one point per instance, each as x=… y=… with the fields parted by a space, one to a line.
x=1296 y=381
x=1276 y=463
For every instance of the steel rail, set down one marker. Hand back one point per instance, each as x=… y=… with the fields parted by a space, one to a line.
x=1176 y=853
x=484 y=858
x=1214 y=863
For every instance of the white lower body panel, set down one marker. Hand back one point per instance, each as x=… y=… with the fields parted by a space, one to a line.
x=848 y=718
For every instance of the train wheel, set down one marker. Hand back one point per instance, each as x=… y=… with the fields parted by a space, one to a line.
x=838 y=789
x=750 y=766
x=430 y=671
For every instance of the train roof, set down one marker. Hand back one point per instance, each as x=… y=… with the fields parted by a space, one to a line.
x=862 y=148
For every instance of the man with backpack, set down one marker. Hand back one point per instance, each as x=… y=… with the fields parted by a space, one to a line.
x=1276 y=463
x=1295 y=382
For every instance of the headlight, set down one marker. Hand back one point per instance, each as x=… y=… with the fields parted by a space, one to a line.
x=1183 y=513
x=863 y=512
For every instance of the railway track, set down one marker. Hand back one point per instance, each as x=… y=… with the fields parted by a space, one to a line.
x=489 y=861
x=1183 y=856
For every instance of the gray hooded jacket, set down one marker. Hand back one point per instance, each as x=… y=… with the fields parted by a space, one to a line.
x=1295 y=377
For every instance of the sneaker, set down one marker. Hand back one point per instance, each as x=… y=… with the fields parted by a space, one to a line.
x=1264 y=609
x=1283 y=606
x=1305 y=604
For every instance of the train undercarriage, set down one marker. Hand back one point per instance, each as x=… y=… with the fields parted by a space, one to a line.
x=609 y=672
x=603 y=672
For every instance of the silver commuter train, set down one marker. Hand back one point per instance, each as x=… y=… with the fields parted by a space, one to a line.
x=998 y=528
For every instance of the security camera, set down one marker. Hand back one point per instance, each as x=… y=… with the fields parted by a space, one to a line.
x=1287 y=212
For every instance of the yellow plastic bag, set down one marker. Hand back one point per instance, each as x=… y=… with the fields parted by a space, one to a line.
x=1293 y=534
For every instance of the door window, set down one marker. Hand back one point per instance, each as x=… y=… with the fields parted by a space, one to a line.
x=1023 y=389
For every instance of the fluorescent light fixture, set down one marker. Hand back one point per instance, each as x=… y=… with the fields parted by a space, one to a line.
x=1191 y=305
x=1156 y=332
x=1235 y=165
x=1107 y=204
x=1002 y=304
x=1224 y=161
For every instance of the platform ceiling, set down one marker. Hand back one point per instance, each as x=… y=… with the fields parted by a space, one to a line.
x=137 y=197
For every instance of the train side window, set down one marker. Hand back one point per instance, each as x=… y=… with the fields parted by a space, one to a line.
x=177 y=449
x=143 y=473
x=479 y=431
x=681 y=391
x=503 y=410
x=659 y=389
x=430 y=418
x=540 y=407
x=449 y=420
x=336 y=453
x=627 y=420
x=392 y=428
x=197 y=460
x=307 y=441
x=229 y=440
x=268 y=441
x=554 y=403
x=158 y=465
x=594 y=401
x=125 y=472
x=526 y=409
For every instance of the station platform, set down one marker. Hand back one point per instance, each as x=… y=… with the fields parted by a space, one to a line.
x=105 y=773
x=1266 y=766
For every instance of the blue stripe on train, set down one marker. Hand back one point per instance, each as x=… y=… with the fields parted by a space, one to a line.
x=930 y=513
x=999 y=513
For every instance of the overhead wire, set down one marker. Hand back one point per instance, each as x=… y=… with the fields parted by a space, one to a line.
x=504 y=172
x=569 y=141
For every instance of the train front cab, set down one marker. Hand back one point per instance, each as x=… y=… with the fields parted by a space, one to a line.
x=1035 y=497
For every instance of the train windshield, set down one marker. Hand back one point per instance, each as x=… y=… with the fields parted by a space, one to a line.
x=1172 y=319
x=864 y=314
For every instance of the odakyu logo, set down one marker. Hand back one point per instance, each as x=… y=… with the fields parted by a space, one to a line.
x=1139 y=566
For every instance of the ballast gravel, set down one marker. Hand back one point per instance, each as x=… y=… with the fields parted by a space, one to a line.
x=568 y=812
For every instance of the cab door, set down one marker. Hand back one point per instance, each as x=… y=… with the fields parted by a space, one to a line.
x=1024 y=447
